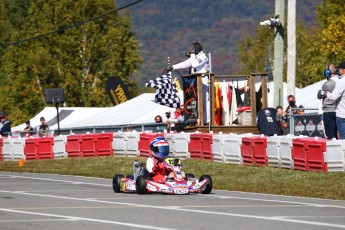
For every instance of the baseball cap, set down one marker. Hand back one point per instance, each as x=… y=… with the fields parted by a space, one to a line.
x=2 y=115
x=341 y=65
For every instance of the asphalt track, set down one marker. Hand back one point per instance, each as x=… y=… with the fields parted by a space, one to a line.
x=43 y=201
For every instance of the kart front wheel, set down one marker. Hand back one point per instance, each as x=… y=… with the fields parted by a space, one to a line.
x=117 y=183
x=208 y=186
x=140 y=184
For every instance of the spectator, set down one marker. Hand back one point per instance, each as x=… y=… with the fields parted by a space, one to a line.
x=286 y=118
x=280 y=118
x=177 y=121
x=167 y=115
x=5 y=130
x=328 y=106
x=43 y=128
x=27 y=130
x=158 y=119
x=338 y=95
x=198 y=63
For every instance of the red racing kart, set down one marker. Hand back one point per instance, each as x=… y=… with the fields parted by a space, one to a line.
x=142 y=183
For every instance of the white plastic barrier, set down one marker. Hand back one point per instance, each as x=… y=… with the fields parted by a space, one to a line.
x=170 y=138
x=7 y=149
x=232 y=148
x=273 y=150
x=335 y=155
x=59 y=147
x=217 y=147
x=18 y=145
x=132 y=145
x=180 y=145
x=119 y=143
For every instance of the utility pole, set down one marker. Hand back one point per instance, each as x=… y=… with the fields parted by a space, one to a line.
x=278 y=62
x=291 y=48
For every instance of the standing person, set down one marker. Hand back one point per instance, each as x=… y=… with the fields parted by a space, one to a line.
x=286 y=119
x=338 y=95
x=280 y=118
x=5 y=130
x=176 y=123
x=328 y=106
x=43 y=128
x=198 y=63
x=27 y=130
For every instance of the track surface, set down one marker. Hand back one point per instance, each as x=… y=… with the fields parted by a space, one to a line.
x=43 y=201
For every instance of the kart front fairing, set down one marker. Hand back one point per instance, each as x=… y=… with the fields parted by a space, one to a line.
x=170 y=186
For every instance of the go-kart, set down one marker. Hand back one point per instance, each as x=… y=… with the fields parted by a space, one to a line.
x=175 y=183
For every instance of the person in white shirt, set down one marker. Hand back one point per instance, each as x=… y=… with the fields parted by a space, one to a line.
x=338 y=95
x=198 y=63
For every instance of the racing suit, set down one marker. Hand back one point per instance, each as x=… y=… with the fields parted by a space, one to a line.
x=157 y=169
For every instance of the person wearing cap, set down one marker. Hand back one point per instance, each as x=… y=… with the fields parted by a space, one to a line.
x=338 y=95
x=176 y=122
x=27 y=130
x=5 y=130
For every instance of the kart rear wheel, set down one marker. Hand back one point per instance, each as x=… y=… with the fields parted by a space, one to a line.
x=140 y=184
x=117 y=183
x=188 y=176
x=208 y=186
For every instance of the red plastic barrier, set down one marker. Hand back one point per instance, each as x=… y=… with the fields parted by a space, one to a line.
x=1 y=154
x=87 y=145
x=307 y=154
x=104 y=144
x=144 y=143
x=206 y=146
x=315 y=159
x=200 y=146
x=253 y=150
x=73 y=145
x=195 y=146
x=299 y=153
x=44 y=148
x=30 y=149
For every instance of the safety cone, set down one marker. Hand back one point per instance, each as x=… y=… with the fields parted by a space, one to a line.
x=21 y=162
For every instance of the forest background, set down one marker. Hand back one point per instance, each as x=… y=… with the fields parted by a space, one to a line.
x=79 y=54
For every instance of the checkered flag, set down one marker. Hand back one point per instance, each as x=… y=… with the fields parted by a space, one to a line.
x=166 y=92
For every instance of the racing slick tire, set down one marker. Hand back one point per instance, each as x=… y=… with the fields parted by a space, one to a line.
x=117 y=183
x=188 y=176
x=208 y=186
x=140 y=184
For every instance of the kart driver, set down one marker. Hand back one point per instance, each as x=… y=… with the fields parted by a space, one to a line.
x=155 y=163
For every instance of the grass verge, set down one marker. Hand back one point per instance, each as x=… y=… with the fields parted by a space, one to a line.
x=225 y=176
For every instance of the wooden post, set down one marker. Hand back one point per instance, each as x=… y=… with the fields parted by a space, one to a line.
x=200 y=100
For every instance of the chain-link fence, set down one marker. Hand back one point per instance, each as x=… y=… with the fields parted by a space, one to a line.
x=306 y=121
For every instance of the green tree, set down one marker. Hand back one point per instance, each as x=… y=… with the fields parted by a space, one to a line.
x=79 y=58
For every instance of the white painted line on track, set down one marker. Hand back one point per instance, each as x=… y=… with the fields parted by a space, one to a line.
x=36 y=220
x=172 y=208
x=278 y=201
x=63 y=181
x=85 y=219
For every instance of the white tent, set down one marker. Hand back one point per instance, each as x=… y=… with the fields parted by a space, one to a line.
x=138 y=110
